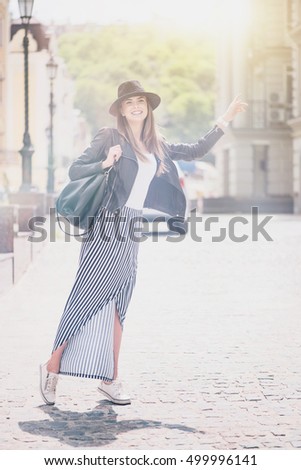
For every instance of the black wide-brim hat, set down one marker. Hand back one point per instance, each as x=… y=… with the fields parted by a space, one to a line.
x=133 y=88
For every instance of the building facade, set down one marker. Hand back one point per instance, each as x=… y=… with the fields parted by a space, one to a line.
x=255 y=158
x=4 y=40
x=294 y=29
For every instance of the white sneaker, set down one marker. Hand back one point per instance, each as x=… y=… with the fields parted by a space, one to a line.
x=114 y=392
x=48 y=381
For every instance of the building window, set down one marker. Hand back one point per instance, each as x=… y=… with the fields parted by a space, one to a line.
x=226 y=160
x=289 y=91
x=260 y=169
x=297 y=83
x=1 y=84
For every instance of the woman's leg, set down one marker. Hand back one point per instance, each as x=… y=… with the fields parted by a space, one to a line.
x=117 y=343
x=53 y=365
x=49 y=377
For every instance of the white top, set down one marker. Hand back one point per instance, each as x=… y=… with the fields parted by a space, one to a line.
x=146 y=172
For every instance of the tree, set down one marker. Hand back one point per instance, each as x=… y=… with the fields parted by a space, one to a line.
x=179 y=68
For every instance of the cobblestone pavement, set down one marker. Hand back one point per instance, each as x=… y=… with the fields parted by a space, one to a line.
x=210 y=353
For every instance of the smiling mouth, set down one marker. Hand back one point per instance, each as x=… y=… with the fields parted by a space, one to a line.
x=136 y=113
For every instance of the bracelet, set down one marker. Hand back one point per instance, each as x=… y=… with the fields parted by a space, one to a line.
x=222 y=122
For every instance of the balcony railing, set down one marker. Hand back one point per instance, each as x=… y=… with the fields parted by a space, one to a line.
x=263 y=115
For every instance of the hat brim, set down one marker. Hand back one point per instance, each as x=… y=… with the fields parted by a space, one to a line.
x=153 y=99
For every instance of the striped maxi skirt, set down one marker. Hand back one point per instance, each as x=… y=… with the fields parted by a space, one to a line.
x=104 y=284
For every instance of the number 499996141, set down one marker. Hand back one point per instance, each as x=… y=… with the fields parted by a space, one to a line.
x=221 y=459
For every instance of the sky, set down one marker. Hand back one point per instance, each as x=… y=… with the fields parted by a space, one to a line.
x=180 y=13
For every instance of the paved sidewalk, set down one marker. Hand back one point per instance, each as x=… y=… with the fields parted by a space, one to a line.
x=211 y=350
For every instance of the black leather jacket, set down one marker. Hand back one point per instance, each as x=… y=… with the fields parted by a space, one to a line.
x=165 y=192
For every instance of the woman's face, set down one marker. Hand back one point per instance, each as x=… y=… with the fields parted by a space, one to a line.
x=134 y=108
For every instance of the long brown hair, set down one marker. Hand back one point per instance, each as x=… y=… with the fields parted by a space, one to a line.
x=152 y=140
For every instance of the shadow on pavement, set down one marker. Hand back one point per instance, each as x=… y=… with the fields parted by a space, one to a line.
x=92 y=428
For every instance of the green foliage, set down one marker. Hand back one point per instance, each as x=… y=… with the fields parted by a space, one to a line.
x=180 y=68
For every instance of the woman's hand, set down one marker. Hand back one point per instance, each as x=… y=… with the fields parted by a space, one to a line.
x=113 y=156
x=237 y=106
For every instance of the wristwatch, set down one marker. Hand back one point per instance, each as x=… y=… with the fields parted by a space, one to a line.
x=222 y=122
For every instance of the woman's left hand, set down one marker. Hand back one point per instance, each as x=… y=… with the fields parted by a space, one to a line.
x=237 y=106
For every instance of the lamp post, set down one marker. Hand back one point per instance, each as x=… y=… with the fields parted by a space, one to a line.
x=25 y=7
x=51 y=69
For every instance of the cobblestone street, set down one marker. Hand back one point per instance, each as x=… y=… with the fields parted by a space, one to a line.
x=210 y=354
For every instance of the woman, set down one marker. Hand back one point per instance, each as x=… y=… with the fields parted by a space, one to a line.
x=143 y=174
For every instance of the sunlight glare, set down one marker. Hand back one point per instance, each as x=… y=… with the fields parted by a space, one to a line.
x=234 y=16
x=191 y=13
x=186 y=14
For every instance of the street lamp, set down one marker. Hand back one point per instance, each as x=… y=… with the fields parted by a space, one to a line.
x=51 y=70
x=25 y=7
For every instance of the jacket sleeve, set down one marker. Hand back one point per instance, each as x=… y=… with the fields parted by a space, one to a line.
x=196 y=150
x=88 y=163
